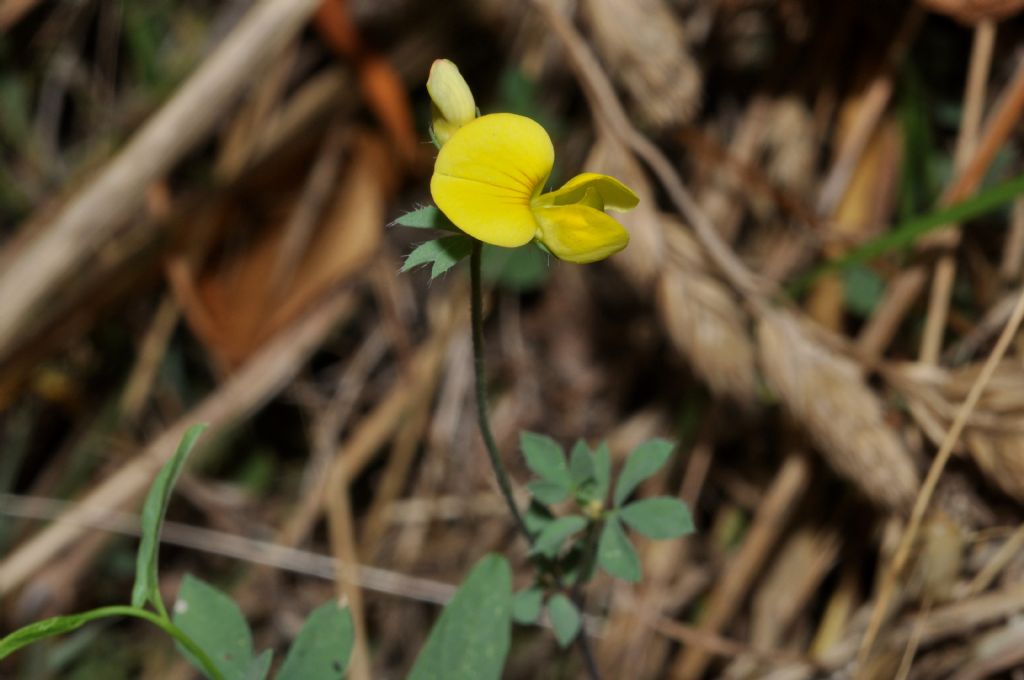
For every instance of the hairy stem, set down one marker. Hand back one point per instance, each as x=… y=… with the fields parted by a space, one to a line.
x=476 y=320
x=483 y=419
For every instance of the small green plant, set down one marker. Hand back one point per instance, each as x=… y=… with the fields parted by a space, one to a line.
x=207 y=626
x=488 y=183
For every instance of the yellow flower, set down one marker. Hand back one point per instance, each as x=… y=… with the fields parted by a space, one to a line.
x=452 y=100
x=489 y=178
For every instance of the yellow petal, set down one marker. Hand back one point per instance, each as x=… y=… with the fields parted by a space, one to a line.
x=487 y=174
x=442 y=128
x=614 y=194
x=450 y=93
x=579 y=233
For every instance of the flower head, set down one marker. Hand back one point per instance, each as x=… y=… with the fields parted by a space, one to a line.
x=452 y=100
x=489 y=181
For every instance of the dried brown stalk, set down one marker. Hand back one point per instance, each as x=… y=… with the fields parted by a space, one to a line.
x=826 y=392
x=645 y=48
x=30 y=276
x=902 y=556
x=341 y=530
x=876 y=99
x=11 y=11
x=733 y=585
x=970 y=11
x=945 y=268
x=262 y=377
x=704 y=321
x=855 y=440
x=882 y=325
x=993 y=436
x=256 y=552
x=702 y=316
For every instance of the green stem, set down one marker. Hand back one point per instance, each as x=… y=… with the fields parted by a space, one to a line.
x=168 y=627
x=476 y=320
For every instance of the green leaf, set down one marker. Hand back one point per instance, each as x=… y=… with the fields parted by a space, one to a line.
x=581 y=464
x=521 y=269
x=471 y=638
x=215 y=623
x=545 y=457
x=616 y=554
x=547 y=492
x=551 y=538
x=147 y=583
x=661 y=517
x=322 y=647
x=429 y=217
x=602 y=471
x=39 y=630
x=645 y=460
x=441 y=253
x=526 y=605
x=565 y=619
x=537 y=516
x=863 y=289
x=260 y=666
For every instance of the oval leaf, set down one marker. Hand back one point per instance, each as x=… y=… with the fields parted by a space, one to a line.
x=602 y=471
x=322 y=647
x=260 y=666
x=471 y=638
x=645 y=460
x=565 y=619
x=616 y=554
x=581 y=464
x=554 y=534
x=215 y=623
x=660 y=517
x=537 y=517
x=547 y=492
x=545 y=457
x=526 y=605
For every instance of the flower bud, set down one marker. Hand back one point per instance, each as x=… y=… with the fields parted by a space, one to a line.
x=453 y=101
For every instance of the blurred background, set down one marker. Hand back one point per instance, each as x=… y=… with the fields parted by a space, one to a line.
x=194 y=208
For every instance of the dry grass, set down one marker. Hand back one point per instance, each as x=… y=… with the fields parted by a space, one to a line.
x=206 y=242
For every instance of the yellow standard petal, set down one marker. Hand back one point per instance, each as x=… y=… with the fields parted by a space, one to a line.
x=579 y=233
x=614 y=195
x=487 y=174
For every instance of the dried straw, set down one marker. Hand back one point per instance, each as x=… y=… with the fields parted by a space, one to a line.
x=703 y=319
x=645 y=49
x=994 y=436
x=826 y=392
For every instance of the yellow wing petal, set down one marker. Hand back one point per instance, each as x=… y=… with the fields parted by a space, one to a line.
x=579 y=233
x=614 y=194
x=488 y=172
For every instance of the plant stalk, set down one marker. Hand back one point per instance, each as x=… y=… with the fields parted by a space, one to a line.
x=483 y=420
x=166 y=625
x=583 y=642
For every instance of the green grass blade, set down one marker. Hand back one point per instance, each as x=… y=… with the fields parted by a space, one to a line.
x=146 y=586
x=904 y=235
